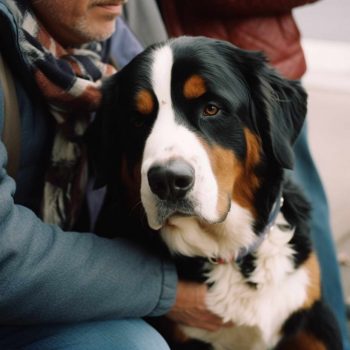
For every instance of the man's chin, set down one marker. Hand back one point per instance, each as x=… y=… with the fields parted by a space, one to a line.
x=100 y=31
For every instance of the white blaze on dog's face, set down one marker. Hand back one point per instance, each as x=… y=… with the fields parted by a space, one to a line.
x=171 y=141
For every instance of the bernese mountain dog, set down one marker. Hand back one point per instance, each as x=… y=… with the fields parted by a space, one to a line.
x=193 y=138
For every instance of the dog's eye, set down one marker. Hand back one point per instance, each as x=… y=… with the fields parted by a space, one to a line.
x=210 y=110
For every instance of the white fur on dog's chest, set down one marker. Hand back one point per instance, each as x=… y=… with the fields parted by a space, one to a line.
x=257 y=313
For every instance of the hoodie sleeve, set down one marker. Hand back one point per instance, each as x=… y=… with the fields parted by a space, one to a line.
x=47 y=275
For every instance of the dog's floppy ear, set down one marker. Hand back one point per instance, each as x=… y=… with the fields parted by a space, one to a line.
x=285 y=106
x=278 y=105
x=103 y=147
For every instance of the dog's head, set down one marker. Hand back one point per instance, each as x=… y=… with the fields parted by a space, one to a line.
x=195 y=125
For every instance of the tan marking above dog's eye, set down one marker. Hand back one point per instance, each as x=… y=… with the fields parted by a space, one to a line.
x=194 y=87
x=210 y=110
x=144 y=102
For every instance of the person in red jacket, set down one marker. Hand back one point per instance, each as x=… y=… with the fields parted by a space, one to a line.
x=266 y=26
x=269 y=26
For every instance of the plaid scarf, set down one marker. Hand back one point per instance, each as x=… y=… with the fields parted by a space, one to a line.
x=69 y=79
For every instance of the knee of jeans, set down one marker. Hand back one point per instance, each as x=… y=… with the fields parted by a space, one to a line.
x=139 y=335
x=133 y=334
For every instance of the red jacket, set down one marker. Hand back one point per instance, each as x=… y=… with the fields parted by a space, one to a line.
x=263 y=25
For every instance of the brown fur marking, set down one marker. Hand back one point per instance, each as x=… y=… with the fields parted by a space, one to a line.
x=144 y=102
x=223 y=163
x=314 y=287
x=301 y=341
x=194 y=87
x=247 y=181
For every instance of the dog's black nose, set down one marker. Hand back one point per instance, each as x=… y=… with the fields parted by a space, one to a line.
x=172 y=180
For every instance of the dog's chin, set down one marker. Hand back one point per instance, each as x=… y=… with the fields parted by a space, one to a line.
x=169 y=217
x=168 y=214
x=176 y=219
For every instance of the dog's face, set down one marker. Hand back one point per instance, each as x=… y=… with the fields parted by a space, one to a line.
x=197 y=126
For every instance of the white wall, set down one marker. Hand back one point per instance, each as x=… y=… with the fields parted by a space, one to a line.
x=325 y=20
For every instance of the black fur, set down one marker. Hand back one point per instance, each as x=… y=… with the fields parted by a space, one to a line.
x=296 y=210
x=317 y=322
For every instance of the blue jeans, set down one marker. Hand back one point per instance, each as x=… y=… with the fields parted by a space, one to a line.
x=306 y=175
x=130 y=334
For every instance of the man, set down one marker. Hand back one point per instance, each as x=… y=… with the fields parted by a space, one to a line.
x=58 y=288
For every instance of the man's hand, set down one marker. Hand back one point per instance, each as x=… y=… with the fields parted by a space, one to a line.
x=190 y=308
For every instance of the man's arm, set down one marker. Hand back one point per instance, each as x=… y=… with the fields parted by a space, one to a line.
x=47 y=275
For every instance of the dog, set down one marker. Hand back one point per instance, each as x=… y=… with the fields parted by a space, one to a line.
x=200 y=133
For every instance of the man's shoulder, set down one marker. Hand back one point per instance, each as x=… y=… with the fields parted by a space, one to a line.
x=8 y=16
x=9 y=37
x=124 y=45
